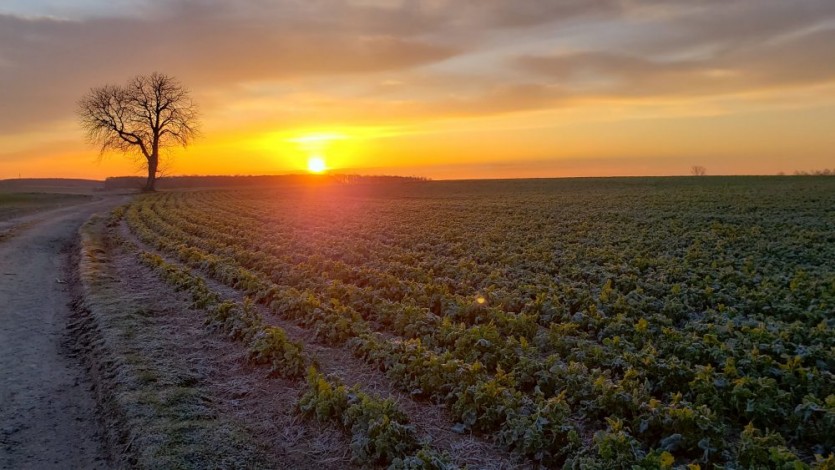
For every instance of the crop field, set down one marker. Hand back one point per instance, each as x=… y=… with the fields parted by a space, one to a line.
x=19 y=204
x=611 y=323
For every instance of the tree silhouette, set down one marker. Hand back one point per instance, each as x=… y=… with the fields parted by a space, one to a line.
x=151 y=112
x=697 y=170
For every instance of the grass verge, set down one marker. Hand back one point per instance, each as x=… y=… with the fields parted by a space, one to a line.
x=157 y=412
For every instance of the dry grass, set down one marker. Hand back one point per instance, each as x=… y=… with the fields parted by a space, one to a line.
x=157 y=409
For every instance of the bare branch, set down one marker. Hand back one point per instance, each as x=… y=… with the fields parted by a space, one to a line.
x=150 y=113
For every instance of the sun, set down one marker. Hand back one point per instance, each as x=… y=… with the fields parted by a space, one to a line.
x=316 y=165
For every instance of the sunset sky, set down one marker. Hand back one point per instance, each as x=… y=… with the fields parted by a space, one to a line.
x=437 y=88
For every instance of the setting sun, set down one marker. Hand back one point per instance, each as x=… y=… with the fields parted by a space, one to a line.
x=316 y=165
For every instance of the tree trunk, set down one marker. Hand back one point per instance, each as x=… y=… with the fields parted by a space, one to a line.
x=150 y=185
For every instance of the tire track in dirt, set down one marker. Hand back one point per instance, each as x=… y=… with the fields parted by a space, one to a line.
x=47 y=413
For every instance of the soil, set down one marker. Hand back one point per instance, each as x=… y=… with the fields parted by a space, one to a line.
x=47 y=412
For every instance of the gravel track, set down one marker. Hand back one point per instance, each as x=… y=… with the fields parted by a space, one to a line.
x=47 y=412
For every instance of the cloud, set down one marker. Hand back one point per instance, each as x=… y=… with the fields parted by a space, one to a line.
x=504 y=14
x=47 y=64
x=502 y=99
x=722 y=26
x=801 y=60
x=439 y=58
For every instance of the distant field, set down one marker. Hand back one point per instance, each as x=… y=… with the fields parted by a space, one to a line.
x=50 y=185
x=594 y=323
x=18 y=204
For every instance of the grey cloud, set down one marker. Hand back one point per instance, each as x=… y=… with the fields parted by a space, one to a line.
x=508 y=14
x=46 y=64
x=713 y=27
x=803 y=59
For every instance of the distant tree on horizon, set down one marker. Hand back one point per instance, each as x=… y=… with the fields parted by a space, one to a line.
x=150 y=113
x=697 y=170
x=824 y=172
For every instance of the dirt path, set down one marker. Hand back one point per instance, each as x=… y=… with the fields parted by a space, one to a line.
x=47 y=417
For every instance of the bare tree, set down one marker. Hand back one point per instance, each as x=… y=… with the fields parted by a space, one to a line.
x=697 y=170
x=150 y=113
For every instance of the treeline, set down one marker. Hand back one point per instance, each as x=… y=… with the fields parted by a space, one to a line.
x=185 y=182
x=824 y=172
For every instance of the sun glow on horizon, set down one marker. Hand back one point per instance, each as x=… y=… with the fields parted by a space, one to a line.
x=316 y=164
x=317 y=138
x=316 y=146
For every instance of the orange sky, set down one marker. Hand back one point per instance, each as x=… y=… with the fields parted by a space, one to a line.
x=437 y=88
